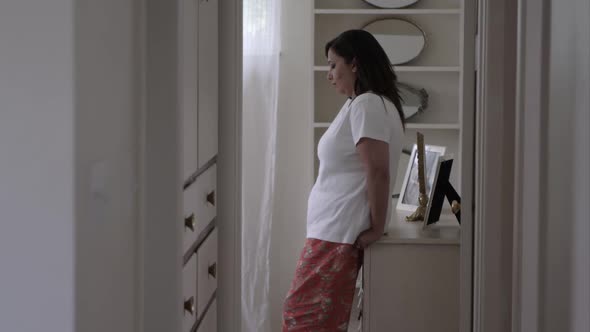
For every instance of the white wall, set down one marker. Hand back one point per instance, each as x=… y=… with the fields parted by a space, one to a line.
x=36 y=182
x=294 y=169
x=565 y=250
x=67 y=133
x=106 y=125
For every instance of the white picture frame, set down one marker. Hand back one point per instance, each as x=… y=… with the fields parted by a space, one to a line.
x=410 y=190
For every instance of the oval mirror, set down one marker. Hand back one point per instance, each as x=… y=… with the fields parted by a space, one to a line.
x=391 y=3
x=415 y=100
x=401 y=40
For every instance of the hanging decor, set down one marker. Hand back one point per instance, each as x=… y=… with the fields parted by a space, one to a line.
x=402 y=40
x=391 y=3
x=415 y=100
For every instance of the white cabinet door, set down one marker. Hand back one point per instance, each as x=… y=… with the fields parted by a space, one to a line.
x=412 y=287
x=206 y=271
x=188 y=85
x=207 y=79
x=209 y=323
x=189 y=292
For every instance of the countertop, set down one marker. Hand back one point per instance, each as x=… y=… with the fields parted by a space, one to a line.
x=400 y=231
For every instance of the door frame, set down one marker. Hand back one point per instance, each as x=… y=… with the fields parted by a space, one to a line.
x=229 y=169
x=509 y=198
x=530 y=157
x=158 y=138
x=468 y=27
x=494 y=172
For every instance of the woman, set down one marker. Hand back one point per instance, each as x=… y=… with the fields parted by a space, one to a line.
x=350 y=201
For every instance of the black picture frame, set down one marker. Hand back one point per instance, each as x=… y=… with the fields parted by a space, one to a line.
x=442 y=189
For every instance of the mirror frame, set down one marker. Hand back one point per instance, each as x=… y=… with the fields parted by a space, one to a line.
x=406 y=21
x=409 y=3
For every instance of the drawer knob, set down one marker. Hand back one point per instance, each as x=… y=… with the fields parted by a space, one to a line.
x=189 y=305
x=213 y=270
x=211 y=198
x=190 y=223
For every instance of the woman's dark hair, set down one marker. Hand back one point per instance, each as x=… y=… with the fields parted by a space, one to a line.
x=374 y=70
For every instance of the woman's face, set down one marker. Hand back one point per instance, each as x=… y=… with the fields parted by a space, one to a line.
x=341 y=75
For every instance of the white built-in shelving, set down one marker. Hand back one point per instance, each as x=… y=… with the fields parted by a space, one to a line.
x=437 y=126
x=449 y=69
x=445 y=70
x=438 y=69
x=388 y=11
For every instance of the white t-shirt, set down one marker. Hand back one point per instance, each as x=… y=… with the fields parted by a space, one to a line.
x=338 y=207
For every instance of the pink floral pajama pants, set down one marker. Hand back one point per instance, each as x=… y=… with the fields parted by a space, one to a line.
x=322 y=292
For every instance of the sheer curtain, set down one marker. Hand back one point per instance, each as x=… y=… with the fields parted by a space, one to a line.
x=261 y=40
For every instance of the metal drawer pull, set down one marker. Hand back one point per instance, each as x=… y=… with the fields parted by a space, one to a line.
x=190 y=223
x=213 y=270
x=211 y=198
x=189 y=305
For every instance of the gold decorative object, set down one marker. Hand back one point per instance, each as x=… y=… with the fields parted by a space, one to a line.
x=455 y=207
x=190 y=223
x=211 y=198
x=189 y=306
x=213 y=270
x=420 y=212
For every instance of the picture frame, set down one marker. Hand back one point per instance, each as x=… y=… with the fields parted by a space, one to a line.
x=442 y=189
x=410 y=190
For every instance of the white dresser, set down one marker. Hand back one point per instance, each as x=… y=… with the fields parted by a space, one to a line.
x=198 y=87
x=411 y=278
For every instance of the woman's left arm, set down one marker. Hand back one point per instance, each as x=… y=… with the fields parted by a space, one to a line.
x=374 y=156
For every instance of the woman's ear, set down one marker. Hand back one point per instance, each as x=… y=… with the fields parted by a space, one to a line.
x=353 y=64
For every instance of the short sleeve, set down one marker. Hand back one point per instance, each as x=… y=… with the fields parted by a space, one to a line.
x=368 y=118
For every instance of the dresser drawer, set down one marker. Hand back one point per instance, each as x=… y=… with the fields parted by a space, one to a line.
x=199 y=206
x=209 y=322
x=189 y=294
x=206 y=271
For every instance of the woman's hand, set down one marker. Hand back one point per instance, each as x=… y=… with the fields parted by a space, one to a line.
x=367 y=237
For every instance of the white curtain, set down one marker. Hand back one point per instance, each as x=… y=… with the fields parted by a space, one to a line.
x=261 y=40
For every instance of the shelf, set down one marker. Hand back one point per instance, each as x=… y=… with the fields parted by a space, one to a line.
x=438 y=70
x=448 y=69
x=434 y=235
x=387 y=11
x=434 y=126
x=443 y=41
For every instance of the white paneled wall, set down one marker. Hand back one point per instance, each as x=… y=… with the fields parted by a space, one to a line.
x=37 y=153
x=67 y=91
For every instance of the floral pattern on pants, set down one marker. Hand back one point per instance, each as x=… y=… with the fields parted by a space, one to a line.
x=322 y=292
